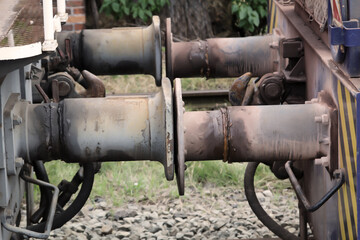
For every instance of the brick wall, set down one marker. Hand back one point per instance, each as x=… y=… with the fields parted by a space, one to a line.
x=77 y=15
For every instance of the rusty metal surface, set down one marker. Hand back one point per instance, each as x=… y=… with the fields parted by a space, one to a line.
x=164 y=113
x=204 y=139
x=220 y=57
x=322 y=74
x=102 y=129
x=253 y=134
x=42 y=93
x=55 y=91
x=179 y=136
x=93 y=85
x=238 y=89
x=110 y=129
x=26 y=23
x=117 y=51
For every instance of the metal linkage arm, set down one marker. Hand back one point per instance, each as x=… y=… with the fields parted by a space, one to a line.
x=339 y=175
x=50 y=218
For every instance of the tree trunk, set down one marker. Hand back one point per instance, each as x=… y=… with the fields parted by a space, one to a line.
x=190 y=19
x=221 y=17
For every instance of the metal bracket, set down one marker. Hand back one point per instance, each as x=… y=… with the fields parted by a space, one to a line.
x=338 y=174
x=347 y=35
x=50 y=218
x=167 y=158
x=293 y=49
x=179 y=135
x=8 y=132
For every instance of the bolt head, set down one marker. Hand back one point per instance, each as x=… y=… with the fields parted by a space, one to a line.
x=273 y=90
x=325 y=119
x=325 y=161
x=318 y=119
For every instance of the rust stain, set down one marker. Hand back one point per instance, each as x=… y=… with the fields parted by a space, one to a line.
x=98 y=150
x=87 y=151
x=225 y=119
x=96 y=126
x=93 y=85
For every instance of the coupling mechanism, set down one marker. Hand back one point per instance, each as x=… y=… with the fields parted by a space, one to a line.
x=152 y=127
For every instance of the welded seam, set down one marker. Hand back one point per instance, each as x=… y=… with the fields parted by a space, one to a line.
x=226 y=133
x=208 y=70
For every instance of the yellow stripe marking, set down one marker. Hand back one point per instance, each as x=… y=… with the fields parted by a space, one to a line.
x=353 y=142
x=351 y=124
x=341 y=218
x=272 y=16
x=347 y=152
x=346 y=200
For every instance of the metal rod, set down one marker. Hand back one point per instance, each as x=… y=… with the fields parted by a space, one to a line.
x=42 y=93
x=55 y=91
x=50 y=217
x=303 y=222
x=339 y=175
x=61 y=10
x=48 y=20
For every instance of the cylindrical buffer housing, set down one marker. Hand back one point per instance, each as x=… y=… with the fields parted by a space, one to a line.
x=94 y=129
x=258 y=133
x=123 y=128
x=134 y=50
x=108 y=129
x=220 y=57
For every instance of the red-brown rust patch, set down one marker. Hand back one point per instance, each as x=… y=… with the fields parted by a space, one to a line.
x=225 y=118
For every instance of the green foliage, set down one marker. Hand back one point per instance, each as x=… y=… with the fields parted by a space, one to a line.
x=130 y=181
x=121 y=182
x=215 y=173
x=250 y=14
x=143 y=9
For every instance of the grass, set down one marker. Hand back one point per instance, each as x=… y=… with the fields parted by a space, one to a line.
x=122 y=182
x=146 y=84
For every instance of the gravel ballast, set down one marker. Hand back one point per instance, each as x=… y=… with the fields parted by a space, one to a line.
x=216 y=213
